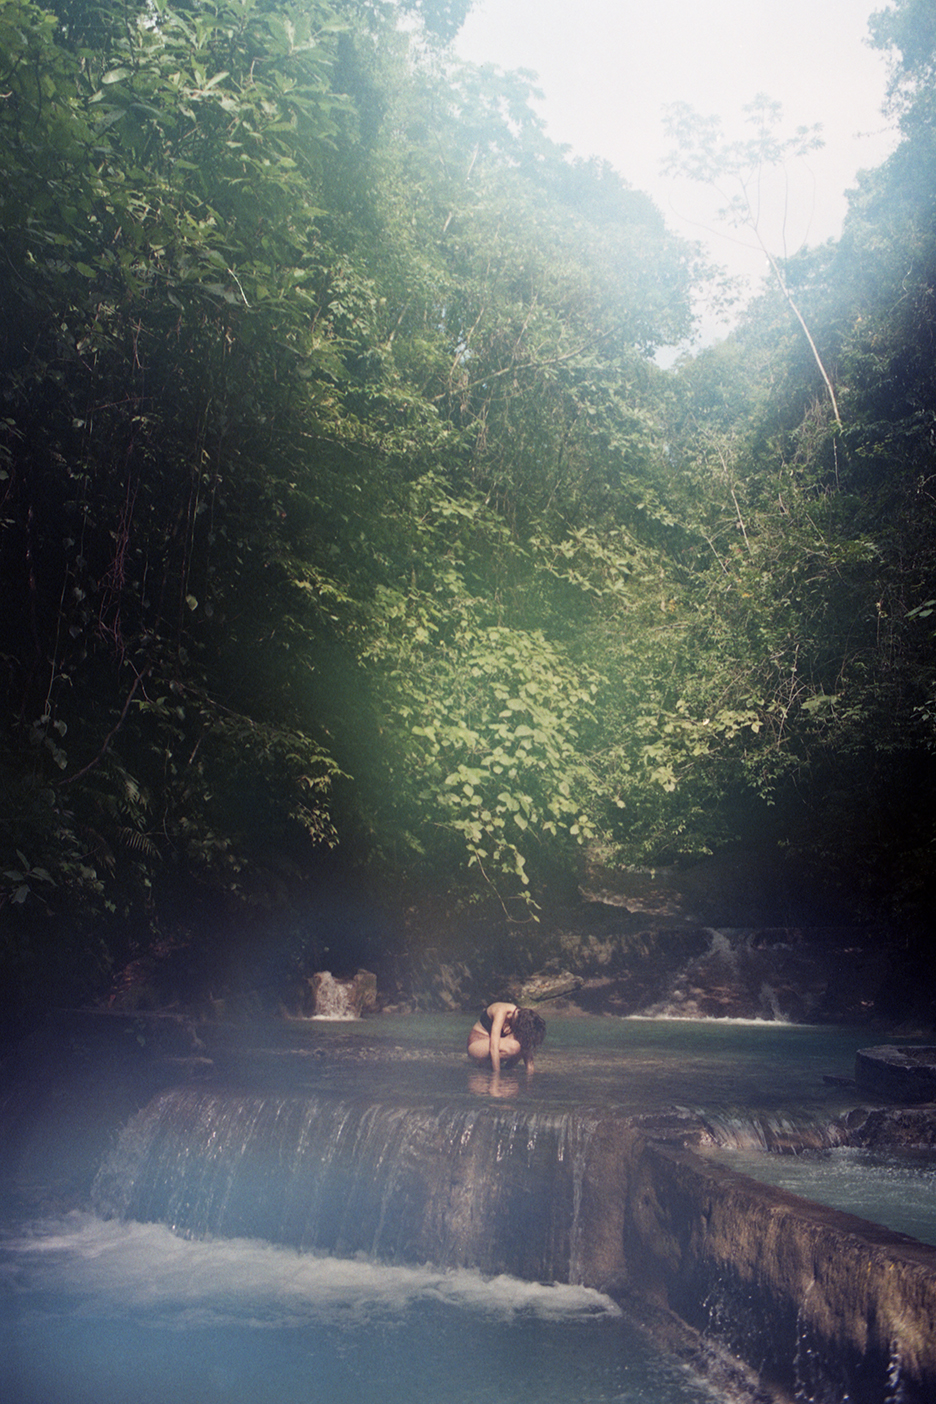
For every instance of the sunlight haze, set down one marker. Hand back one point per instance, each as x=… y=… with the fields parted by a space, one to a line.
x=608 y=68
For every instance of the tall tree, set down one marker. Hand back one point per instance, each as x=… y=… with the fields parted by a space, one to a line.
x=736 y=170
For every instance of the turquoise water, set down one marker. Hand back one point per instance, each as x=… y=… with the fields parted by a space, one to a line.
x=128 y=1313
x=636 y=1065
x=97 y=1312
x=896 y=1189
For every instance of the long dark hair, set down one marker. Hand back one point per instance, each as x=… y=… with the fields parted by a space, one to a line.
x=528 y=1028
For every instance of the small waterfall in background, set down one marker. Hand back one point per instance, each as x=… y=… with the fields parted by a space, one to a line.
x=743 y=971
x=334 y=999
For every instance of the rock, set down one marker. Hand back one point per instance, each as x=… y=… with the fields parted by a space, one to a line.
x=537 y=988
x=822 y=1304
x=435 y=981
x=897 y=1074
x=889 y=1128
x=448 y=985
x=365 y=991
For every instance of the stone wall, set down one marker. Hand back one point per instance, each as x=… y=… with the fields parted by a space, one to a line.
x=821 y=1304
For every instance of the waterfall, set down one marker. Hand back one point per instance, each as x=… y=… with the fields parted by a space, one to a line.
x=334 y=999
x=786 y=1132
x=493 y=1188
x=742 y=974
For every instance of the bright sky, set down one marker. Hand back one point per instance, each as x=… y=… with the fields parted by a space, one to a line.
x=607 y=68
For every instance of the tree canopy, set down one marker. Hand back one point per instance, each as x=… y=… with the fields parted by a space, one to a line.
x=347 y=516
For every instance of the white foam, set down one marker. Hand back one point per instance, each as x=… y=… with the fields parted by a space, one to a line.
x=125 y=1268
x=690 y=1021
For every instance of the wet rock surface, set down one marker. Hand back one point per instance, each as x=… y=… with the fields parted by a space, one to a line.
x=827 y=1306
x=890 y=1128
x=723 y=939
x=897 y=1074
x=594 y=963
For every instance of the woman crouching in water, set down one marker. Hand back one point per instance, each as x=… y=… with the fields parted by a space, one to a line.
x=504 y=1035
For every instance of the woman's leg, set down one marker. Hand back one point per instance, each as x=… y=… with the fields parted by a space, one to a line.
x=479 y=1047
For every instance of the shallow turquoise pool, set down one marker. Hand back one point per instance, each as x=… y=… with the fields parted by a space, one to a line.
x=102 y=1311
x=97 y=1312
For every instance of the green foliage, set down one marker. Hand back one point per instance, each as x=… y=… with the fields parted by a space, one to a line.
x=341 y=502
x=822 y=590
x=302 y=441
x=494 y=748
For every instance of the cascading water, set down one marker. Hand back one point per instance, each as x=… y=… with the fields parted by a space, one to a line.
x=322 y=1246
x=354 y=1213
x=334 y=999
x=111 y=1312
x=490 y=1187
x=783 y=1132
x=744 y=972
